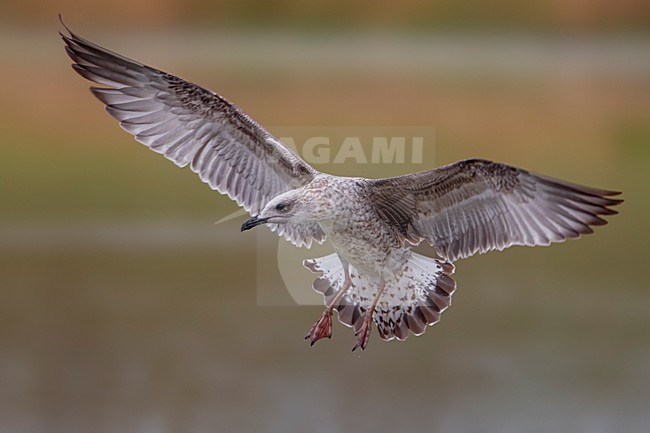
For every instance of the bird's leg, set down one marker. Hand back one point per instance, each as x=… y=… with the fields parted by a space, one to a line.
x=363 y=334
x=323 y=326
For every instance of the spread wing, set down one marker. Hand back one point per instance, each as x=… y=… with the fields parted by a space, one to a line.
x=192 y=125
x=475 y=206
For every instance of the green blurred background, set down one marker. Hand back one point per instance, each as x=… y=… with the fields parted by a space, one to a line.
x=123 y=308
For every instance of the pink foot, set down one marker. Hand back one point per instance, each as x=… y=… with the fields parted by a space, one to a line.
x=363 y=334
x=322 y=328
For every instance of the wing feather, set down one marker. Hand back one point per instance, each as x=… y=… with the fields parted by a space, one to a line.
x=192 y=125
x=475 y=206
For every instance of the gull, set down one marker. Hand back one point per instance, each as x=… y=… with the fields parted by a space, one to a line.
x=374 y=276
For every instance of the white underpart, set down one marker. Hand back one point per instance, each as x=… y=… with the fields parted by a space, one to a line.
x=415 y=295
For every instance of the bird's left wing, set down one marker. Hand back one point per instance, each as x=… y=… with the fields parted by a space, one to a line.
x=192 y=125
x=475 y=206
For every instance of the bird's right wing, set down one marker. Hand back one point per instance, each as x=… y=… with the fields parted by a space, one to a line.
x=475 y=206
x=192 y=125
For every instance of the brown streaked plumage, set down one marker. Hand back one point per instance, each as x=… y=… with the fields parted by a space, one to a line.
x=468 y=207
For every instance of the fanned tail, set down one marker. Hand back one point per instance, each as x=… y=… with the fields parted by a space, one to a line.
x=415 y=295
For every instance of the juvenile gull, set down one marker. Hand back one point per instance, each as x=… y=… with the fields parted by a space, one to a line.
x=461 y=209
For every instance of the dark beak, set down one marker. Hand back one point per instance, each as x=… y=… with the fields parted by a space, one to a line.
x=253 y=222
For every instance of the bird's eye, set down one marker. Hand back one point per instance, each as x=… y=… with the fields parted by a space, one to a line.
x=280 y=206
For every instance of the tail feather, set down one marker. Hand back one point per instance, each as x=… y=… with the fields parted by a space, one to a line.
x=414 y=296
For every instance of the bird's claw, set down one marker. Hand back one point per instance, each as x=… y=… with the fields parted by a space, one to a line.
x=363 y=335
x=321 y=329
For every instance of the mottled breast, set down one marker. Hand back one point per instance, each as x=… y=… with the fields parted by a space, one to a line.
x=357 y=232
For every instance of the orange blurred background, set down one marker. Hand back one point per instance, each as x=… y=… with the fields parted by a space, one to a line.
x=124 y=308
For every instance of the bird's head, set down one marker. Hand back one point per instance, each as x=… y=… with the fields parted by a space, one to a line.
x=289 y=207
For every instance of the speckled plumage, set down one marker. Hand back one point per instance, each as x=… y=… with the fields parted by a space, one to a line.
x=468 y=207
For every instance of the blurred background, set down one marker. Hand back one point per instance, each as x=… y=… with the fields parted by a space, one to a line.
x=123 y=308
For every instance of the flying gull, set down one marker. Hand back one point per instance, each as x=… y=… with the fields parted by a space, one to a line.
x=461 y=209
